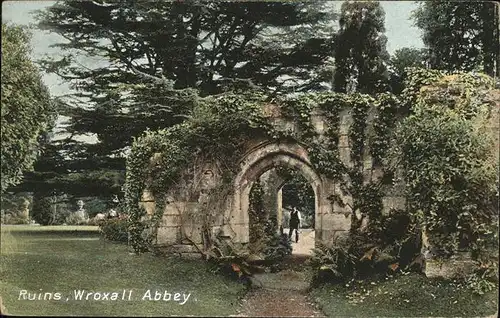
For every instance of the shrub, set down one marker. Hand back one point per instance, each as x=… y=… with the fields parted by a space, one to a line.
x=15 y=208
x=333 y=264
x=50 y=209
x=360 y=255
x=96 y=222
x=481 y=283
x=444 y=150
x=114 y=229
x=94 y=205
x=42 y=210
x=13 y=218
x=278 y=246
x=74 y=219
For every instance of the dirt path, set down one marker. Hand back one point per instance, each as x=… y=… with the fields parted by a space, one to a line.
x=278 y=303
x=282 y=294
x=305 y=244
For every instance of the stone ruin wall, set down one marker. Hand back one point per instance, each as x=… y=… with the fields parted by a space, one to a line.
x=332 y=220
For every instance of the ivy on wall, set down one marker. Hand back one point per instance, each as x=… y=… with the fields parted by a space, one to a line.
x=221 y=126
x=158 y=162
x=218 y=130
x=447 y=160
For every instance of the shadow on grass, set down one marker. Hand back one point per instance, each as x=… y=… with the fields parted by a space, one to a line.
x=50 y=230
x=55 y=233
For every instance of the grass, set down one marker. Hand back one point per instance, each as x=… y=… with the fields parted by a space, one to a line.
x=67 y=258
x=410 y=295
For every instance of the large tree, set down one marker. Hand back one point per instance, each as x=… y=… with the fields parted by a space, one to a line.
x=461 y=35
x=27 y=110
x=360 y=50
x=208 y=46
x=159 y=56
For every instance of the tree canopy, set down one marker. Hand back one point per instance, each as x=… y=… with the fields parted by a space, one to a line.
x=402 y=59
x=461 y=35
x=159 y=57
x=27 y=110
x=360 y=49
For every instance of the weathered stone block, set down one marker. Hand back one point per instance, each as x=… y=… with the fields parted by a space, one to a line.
x=184 y=248
x=148 y=202
x=240 y=233
x=278 y=160
x=326 y=207
x=147 y=196
x=171 y=220
x=336 y=222
x=377 y=174
x=367 y=177
x=217 y=230
x=149 y=207
x=174 y=208
x=338 y=190
x=456 y=267
x=367 y=163
x=181 y=207
x=344 y=128
x=168 y=235
x=193 y=231
x=340 y=208
x=345 y=157
x=325 y=237
x=318 y=124
x=329 y=237
x=345 y=121
x=348 y=201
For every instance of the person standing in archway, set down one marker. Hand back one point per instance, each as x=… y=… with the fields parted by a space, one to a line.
x=294 y=224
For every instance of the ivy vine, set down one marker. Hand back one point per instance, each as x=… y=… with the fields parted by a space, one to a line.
x=221 y=126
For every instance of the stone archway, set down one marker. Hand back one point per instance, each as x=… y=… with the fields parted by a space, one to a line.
x=232 y=220
x=263 y=158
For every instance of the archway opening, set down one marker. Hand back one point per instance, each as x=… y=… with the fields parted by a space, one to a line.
x=271 y=199
x=256 y=163
x=296 y=193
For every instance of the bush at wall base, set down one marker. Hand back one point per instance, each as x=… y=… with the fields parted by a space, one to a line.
x=114 y=229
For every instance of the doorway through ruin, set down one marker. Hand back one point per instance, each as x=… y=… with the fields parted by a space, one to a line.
x=271 y=199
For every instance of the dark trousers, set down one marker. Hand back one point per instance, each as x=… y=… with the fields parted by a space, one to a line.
x=296 y=233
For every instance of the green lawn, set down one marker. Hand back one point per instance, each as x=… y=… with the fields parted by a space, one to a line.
x=66 y=258
x=405 y=296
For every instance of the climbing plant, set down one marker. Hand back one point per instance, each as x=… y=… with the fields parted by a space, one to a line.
x=220 y=127
x=445 y=153
x=257 y=214
x=216 y=130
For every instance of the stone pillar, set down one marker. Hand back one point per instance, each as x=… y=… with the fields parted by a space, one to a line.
x=269 y=197
x=273 y=195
